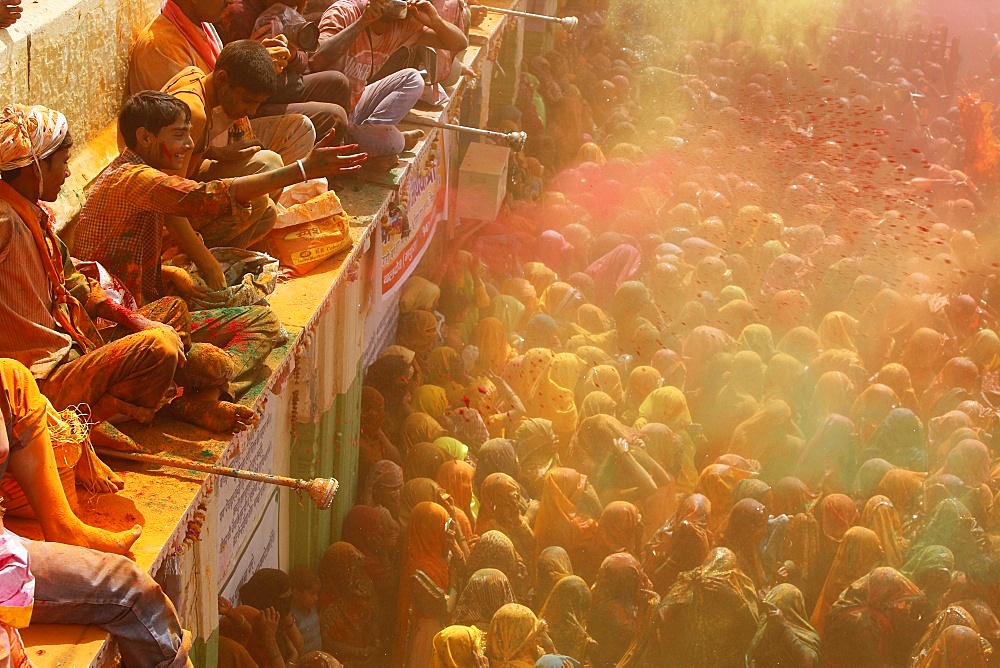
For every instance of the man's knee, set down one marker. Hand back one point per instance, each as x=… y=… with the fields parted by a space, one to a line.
x=157 y=346
x=410 y=80
x=265 y=161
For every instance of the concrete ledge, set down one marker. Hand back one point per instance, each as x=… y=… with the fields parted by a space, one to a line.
x=72 y=55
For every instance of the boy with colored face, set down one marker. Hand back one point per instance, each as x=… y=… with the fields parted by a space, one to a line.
x=121 y=226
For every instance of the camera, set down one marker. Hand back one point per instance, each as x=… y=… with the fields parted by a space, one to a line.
x=395 y=9
x=284 y=20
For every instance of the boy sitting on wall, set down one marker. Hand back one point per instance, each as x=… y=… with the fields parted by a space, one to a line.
x=135 y=198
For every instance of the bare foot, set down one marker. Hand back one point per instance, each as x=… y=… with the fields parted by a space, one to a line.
x=410 y=139
x=217 y=416
x=106 y=435
x=95 y=475
x=380 y=164
x=120 y=542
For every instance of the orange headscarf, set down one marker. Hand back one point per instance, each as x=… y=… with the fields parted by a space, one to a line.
x=881 y=517
x=859 y=552
x=557 y=521
x=426 y=543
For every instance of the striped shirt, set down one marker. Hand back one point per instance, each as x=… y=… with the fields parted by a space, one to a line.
x=28 y=331
x=121 y=224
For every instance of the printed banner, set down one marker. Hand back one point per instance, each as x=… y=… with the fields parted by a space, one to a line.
x=410 y=225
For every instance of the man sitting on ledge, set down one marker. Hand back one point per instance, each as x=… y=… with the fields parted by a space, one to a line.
x=46 y=305
x=76 y=582
x=359 y=38
x=184 y=35
x=122 y=222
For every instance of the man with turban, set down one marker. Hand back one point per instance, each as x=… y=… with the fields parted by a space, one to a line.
x=47 y=307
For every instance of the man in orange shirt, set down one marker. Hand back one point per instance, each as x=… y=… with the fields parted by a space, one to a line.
x=184 y=35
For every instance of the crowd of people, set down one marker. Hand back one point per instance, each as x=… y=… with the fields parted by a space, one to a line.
x=727 y=396
x=728 y=400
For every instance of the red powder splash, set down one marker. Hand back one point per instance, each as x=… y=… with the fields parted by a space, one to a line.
x=982 y=152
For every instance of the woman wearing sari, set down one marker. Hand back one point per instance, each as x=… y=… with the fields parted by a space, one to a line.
x=446 y=370
x=951 y=525
x=393 y=376
x=553 y=564
x=373 y=444
x=418 y=294
x=801 y=343
x=668 y=406
x=383 y=487
x=419 y=428
x=422 y=607
x=707 y=619
x=567 y=513
x=455 y=477
x=597 y=403
x=875 y=622
x=602 y=378
x=376 y=535
x=784 y=635
x=827 y=461
x=536 y=450
x=500 y=510
x=783 y=380
x=835 y=514
x=552 y=396
x=903 y=487
x=561 y=301
x=770 y=437
x=641 y=382
x=566 y=612
x=514 y=638
x=495 y=550
x=859 y=552
x=743 y=533
x=679 y=545
x=352 y=620
x=881 y=517
x=932 y=569
x=458 y=647
x=490 y=337
x=417 y=331
x=737 y=401
x=716 y=482
x=757 y=338
x=602 y=449
x=430 y=399
x=871 y=408
x=897 y=377
x=900 y=439
x=487 y=591
x=622 y=600
x=423 y=460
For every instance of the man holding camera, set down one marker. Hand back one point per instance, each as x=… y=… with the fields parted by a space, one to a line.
x=369 y=41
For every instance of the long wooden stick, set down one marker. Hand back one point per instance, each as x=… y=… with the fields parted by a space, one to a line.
x=321 y=490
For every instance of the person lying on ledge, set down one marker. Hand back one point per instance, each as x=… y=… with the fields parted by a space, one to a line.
x=123 y=220
x=70 y=578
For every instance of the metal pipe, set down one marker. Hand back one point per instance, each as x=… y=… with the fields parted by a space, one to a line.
x=569 y=23
x=515 y=140
x=320 y=490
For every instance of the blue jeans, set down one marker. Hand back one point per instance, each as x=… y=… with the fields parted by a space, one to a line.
x=383 y=104
x=76 y=585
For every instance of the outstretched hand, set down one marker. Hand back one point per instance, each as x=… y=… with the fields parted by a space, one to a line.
x=332 y=161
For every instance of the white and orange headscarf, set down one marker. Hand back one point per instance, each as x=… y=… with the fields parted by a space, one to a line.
x=29 y=134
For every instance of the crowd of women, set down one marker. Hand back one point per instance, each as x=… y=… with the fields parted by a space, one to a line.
x=727 y=400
